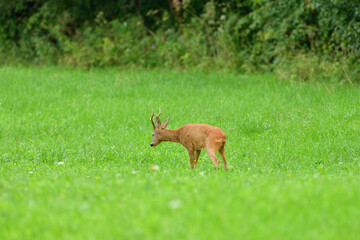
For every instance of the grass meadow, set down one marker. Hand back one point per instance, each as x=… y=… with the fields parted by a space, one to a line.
x=76 y=162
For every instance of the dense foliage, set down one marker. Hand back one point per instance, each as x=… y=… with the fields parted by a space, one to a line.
x=241 y=34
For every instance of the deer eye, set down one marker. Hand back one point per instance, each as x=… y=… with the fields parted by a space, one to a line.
x=153 y=134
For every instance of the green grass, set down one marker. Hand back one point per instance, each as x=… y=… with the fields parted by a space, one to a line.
x=293 y=153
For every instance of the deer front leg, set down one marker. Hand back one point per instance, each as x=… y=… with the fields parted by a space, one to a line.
x=197 y=154
x=192 y=158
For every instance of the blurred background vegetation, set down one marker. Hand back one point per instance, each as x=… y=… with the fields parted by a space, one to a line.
x=297 y=39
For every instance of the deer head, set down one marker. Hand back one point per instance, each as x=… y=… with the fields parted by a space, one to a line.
x=158 y=134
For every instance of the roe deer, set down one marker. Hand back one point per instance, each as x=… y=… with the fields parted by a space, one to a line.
x=194 y=137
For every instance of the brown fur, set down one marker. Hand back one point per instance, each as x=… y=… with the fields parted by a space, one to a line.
x=194 y=137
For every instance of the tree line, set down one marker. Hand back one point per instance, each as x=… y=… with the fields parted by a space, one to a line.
x=244 y=35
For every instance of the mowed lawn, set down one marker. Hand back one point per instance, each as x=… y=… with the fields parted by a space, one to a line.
x=76 y=162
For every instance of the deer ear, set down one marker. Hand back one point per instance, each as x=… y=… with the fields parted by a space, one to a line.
x=165 y=123
x=158 y=123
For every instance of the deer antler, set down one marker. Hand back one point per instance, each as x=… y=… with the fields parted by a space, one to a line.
x=151 y=119
x=159 y=113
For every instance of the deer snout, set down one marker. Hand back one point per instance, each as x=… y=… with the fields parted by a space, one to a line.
x=152 y=145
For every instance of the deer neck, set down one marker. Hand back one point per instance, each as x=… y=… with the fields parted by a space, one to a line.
x=171 y=135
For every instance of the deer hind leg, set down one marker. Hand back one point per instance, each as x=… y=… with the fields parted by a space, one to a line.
x=197 y=154
x=212 y=156
x=222 y=154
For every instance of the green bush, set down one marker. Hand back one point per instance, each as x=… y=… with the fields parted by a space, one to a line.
x=250 y=35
